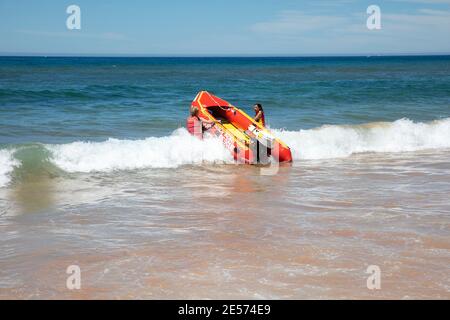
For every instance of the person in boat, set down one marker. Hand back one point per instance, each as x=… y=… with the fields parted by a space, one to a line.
x=196 y=125
x=259 y=114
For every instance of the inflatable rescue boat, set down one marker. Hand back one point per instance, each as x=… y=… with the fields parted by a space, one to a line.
x=248 y=141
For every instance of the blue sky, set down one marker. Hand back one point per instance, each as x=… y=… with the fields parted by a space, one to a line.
x=227 y=27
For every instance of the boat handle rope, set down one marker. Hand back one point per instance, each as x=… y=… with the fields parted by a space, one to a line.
x=218 y=104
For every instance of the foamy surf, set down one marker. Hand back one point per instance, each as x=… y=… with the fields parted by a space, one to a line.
x=180 y=148
x=172 y=151
x=7 y=164
x=337 y=141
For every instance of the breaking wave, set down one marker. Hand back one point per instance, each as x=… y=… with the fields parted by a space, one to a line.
x=337 y=141
x=7 y=164
x=180 y=148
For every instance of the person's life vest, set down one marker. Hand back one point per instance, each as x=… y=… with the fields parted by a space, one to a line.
x=262 y=121
x=194 y=126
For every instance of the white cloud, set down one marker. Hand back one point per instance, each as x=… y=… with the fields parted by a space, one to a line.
x=294 y=22
x=430 y=22
x=424 y=30
x=434 y=12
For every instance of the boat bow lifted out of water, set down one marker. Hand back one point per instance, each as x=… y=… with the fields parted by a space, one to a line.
x=248 y=141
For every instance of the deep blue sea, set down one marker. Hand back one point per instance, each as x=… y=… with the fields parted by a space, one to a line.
x=60 y=100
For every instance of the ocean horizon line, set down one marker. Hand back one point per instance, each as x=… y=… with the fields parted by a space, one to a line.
x=41 y=55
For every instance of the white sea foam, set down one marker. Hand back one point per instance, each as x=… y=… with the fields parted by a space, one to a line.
x=180 y=148
x=7 y=164
x=335 y=141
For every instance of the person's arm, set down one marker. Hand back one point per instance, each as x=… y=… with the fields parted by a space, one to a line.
x=207 y=124
x=208 y=121
x=258 y=116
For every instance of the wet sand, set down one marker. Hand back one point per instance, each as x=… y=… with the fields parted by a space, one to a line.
x=225 y=231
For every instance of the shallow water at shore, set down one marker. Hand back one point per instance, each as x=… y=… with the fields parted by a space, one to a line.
x=225 y=231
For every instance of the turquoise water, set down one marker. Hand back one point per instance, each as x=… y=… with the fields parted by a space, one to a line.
x=97 y=171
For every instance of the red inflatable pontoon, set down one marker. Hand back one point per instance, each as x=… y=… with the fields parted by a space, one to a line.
x=247 y=140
